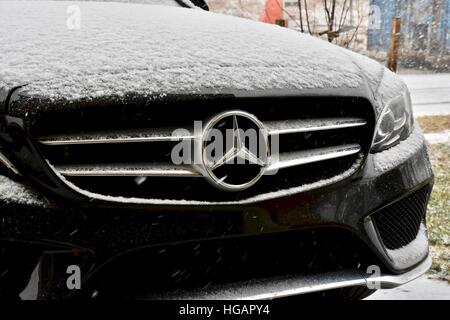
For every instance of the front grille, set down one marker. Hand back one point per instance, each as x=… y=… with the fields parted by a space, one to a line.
x=398 y=224
x=124 y=150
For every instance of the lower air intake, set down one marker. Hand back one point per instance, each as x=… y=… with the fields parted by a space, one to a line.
x=398 y=224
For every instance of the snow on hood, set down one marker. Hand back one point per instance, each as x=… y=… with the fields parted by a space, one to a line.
x=146 y=49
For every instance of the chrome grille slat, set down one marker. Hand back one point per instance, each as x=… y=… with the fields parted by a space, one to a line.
x=167 y=134
x=117 y=170
x=311 y=125
x=287 y=160
x=159 y=135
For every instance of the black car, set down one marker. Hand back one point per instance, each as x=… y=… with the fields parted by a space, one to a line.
x=98 y=98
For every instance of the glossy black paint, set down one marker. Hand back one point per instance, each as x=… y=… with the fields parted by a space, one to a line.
x=19 y=128
x=74 y=229
x=201 y=4
x=104 y=238
x=93 y=237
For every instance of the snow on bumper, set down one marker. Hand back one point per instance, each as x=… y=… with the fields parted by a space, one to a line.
x=15 y=192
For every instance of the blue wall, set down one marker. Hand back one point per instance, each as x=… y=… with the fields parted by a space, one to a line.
x=380 y=38
x=445 y=37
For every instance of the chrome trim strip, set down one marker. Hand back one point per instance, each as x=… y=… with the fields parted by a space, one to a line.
x=314 y=155
x=276 y=288
x=160 y=135
x=166 y=134
x=300 y=126
x=283 y=161
x=371 y=230
x=126 y=171
x=250 y=200
x=389 y=281
x=5 y=161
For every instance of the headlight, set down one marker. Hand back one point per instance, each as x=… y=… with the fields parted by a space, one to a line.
x=395 y=123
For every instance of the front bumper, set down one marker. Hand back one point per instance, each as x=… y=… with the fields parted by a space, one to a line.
x=277 y=288
x=95 y=237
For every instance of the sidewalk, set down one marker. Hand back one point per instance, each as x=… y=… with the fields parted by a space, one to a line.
x=420 y=289
x=430 y=93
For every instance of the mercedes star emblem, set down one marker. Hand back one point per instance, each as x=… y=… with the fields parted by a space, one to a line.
x=235 y=150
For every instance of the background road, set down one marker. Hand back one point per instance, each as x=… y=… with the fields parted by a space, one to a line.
x=430 y=93
x=420 y=289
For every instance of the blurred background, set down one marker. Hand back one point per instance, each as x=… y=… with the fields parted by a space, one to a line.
x=361 y=25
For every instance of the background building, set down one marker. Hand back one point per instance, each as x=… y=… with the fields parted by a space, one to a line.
x=363 y=25
x=425 y=24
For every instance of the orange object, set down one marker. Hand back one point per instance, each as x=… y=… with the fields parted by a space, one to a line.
x=273 y=11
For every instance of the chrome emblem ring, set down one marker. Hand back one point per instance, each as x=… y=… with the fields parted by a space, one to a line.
x=235 y=150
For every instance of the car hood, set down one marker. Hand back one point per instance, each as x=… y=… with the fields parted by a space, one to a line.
x=120 y=49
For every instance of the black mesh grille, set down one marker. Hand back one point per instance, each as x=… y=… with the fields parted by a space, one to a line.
x=398 y=224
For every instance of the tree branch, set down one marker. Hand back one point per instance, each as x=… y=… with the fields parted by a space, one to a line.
x=301 y=15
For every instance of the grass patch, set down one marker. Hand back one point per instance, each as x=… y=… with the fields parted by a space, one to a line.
x=438 y=219
x=434 y=124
